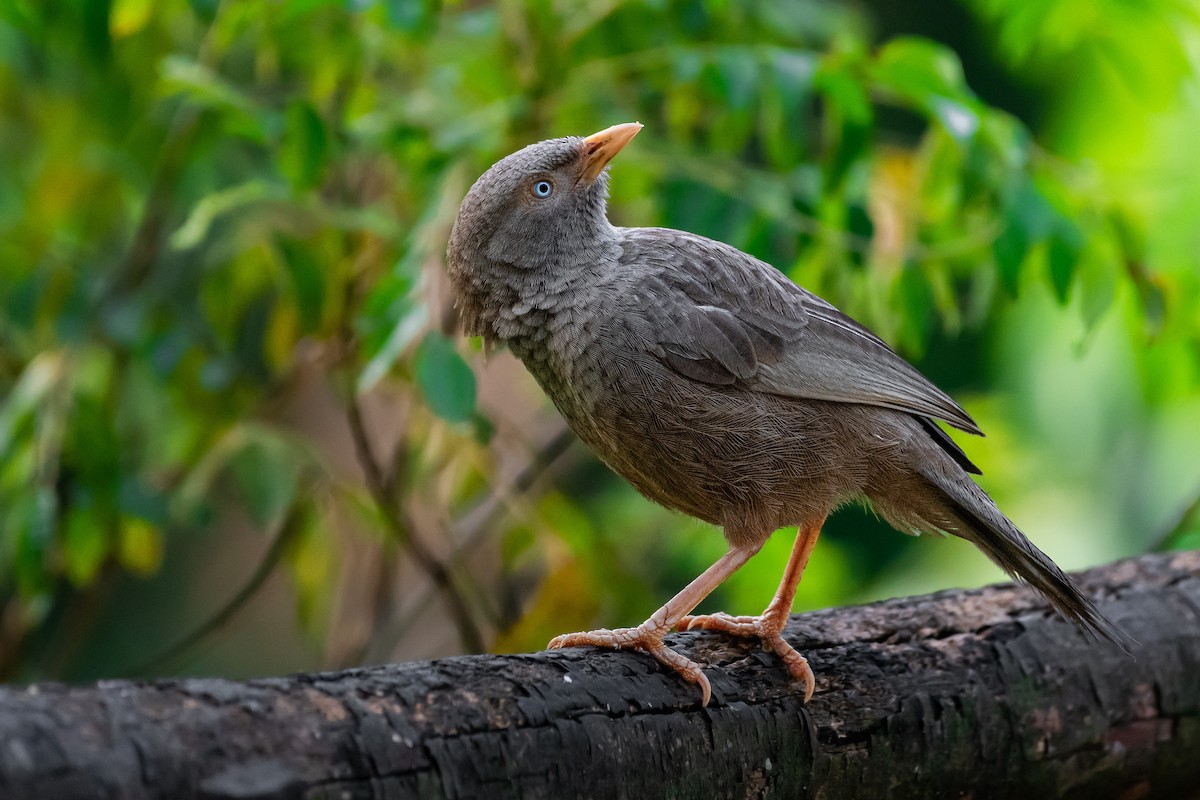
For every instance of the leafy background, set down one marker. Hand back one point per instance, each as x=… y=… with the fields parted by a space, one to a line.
x=240 y=435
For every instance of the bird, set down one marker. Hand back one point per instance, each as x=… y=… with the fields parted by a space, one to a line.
x=718 y=388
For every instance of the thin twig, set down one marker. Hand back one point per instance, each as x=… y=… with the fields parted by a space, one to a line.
x=486 y=511
x=385 y=489
x=400 y=526
x=382 y=599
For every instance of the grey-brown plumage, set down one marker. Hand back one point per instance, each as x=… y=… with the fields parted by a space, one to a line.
x=715 y=385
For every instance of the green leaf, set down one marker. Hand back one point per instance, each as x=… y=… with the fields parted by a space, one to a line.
x=1097 y=288
x=92 y=446
x=916 y=301
x=445 y=379
x=200 y=84
x=37 y=381
x=307 y=276
x=393 y=313
x=929 y=77
x=1006 y=141
x=195 y=228
x=737 y=78
x=1028 y=220
x=1037 y=216
x=844 y=93
x=85 y=545
x=1062 y=255
x=249 y=337
x=1009 y=250
x=128 y=17
x=312 y=559
x=920 y=69
x=266 y=470
x=849 y=121
x=305 y=146
x=96 y=28
x=785 y=106
x=31 y=519
x=140 y=549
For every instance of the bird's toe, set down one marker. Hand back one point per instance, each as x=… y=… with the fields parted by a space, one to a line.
x=765 y=629
x=720 y=621
x=639 y=639
x=796 y=664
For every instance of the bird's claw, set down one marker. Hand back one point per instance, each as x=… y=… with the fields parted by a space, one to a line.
x=746 y=627
x=639 y=639
x=768 y=630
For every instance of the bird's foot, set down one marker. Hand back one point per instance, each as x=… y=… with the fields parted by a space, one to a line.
x=767 y=628
x=644 y=639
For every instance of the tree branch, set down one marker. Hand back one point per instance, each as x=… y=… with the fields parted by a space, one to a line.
x=981 y=693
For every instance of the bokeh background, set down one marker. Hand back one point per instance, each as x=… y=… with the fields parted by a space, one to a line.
x=239 y=433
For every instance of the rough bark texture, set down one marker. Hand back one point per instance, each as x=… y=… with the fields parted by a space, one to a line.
x=967 y=693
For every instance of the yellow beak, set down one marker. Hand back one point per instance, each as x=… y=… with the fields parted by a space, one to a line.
x=599 y=148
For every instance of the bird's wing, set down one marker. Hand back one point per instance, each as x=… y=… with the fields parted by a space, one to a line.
x=732 y=319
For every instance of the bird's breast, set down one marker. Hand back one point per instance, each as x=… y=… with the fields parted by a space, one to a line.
x=563 y=352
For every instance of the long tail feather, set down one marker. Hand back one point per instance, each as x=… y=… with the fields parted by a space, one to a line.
x=1011 y=550
x=931 y=491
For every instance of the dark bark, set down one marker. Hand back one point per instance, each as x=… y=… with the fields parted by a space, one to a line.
x=975 y=693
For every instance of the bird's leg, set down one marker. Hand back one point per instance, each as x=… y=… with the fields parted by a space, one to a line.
x=769 y=625
x=648 y=637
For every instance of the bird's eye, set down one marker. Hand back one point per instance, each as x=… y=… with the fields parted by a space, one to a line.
x=542 y=189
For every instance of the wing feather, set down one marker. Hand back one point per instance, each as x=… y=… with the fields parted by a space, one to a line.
x=732 y=319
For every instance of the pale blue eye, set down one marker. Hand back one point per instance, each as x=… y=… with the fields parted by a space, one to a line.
x=542 y=189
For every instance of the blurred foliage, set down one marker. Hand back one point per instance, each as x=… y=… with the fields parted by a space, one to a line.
x=207 y=206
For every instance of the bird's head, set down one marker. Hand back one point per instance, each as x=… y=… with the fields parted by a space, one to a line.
x=543 y=207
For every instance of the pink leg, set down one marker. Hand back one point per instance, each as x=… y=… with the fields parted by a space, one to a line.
x=769 y=625
x=648 y=636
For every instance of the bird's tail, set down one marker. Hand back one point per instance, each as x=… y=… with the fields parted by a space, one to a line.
x=948 y=500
